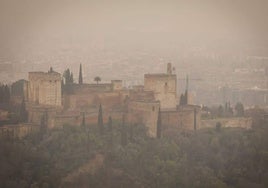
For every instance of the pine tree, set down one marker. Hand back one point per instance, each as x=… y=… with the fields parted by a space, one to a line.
x=44 y=122
x=100 y=120
x=110 y=128
x=159 y=125
x=80 y=75
x=83 y=123
x=23 y=112
x=110 y=124
x=123 y=133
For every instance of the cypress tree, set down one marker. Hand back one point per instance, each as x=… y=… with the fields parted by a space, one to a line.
x=83 y=123
x=23 y=112
x=100 y=120
x=159 y=125
x=110 y=128
x=123 y=133
x=110 y=124
x=44 y=122
x=80 y=75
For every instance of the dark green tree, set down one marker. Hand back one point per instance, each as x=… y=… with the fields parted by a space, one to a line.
x=110 y=124
x=159 y=125
x=97 y=79
x=17 y=88
x=123 y=132
x=80 y=81
x=218 y=126
x=44 y=122
x=100 y=120
x=220 y=111
x=83 y=123
x=23 y=112
x=239 y=107
x=68 y=77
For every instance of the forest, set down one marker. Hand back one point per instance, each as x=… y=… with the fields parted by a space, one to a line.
x=124 y=156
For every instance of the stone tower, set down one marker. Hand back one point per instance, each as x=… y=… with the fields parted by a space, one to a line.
x=164 y=87
x=44 y=88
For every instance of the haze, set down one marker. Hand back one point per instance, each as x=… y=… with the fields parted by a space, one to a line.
x=125 y=39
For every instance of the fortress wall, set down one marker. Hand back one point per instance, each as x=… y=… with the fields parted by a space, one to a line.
x=109 y=100
x=35 y=114
x=183 y=118
x=145 y=113
x=90 y=118
x=228 y=122
x=17 y=131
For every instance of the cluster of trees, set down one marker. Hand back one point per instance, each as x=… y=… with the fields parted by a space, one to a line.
x=225 y=111
x=4 y=94
x=204 y=158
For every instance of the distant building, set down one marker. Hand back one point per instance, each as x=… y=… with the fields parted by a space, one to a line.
x=164 y=87
x=44 y=88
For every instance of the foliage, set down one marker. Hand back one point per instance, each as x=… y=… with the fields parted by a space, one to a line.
x=159 y=125
x=17 y=88
x=4 y=94
x=23 y=112
x=239 y=108
x=80 y=81
x=231 y=157
x=100 y=120
x=68 y=77
x=97 y=79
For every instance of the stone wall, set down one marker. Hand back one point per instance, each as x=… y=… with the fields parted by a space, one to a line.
x=44 y=88
x=164 y=87
x=92 y=100
x=186 y=117
x=17 y=131
x=117 y=85
x=228 y=122
x=35 y=113
x=146 y=113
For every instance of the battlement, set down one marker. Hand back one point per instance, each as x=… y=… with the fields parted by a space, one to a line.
x=44 y=76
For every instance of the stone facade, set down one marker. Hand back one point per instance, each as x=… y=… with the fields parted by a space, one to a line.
x=164 y=87
x=44 y=88
x=17 y=131
x=228 y=122
x=117 y=85
x=185 y=117
x=144 y=112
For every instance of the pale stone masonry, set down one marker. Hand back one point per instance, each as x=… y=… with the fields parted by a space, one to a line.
x=164 y=87
x=44 y=88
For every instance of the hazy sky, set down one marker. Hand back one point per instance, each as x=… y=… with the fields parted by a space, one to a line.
x=42 y=25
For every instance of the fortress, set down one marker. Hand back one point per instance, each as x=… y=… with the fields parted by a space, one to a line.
x=141 y=104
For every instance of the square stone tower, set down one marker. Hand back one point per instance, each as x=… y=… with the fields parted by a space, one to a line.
x=44 y=88
x=164 y=87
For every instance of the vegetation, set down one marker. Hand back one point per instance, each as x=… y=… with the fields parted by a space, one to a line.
x=4 y=94
x=80 y=81
x=239 y=108
x=81 y=157
x=97 y=79
x=68 y=77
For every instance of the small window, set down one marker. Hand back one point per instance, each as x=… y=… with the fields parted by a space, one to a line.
x=166 y=84
x=153 y=108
